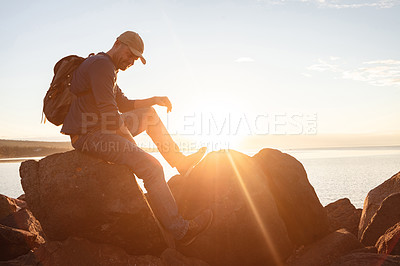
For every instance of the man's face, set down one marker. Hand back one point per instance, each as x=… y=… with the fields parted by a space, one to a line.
x=126 y=58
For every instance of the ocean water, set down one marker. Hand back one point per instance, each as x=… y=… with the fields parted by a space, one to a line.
x=334 y=173
x=348 y=173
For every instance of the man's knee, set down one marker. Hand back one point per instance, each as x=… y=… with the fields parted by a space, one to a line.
x=150 y=111
x=143 y=114
x=144 y=111
x=150 y=116
x=153 y=171
x=158 y=171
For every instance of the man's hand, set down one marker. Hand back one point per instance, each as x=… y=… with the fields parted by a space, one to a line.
x=159 y=100
x=163 y=101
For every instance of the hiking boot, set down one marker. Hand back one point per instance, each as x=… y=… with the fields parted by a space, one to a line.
x=187 y=162
x=196 y=226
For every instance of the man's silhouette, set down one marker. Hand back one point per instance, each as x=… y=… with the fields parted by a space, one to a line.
x=97 y=127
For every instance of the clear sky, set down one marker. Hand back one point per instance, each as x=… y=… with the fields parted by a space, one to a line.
x=307 y=70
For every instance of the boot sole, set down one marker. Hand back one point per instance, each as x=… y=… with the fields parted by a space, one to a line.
x=201 y=232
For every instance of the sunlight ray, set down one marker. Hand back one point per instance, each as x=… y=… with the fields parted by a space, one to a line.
x=256 y=214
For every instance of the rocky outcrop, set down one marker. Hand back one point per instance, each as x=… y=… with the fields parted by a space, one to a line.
x=387 y=215
x=369 y=249
x=247 y=228
x=326 y=250
x=94 y=213
x=15 y=242
x=171 y=257
x=7 y=206
x=367 y=259
x=295 y=198
x=343 y=214
x=19 y=230
x=82 y=252
x=21 y=203
x=73 y=194
x=77 y=251
x=24 y=220
x=389 y=242
x=375 y=198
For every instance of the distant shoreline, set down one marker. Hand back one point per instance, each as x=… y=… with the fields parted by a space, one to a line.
x=21 y=148
x=15 y=149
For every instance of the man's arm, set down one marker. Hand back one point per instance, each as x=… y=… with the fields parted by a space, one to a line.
x=156 y=100
x=101 y=75
x=123 y=103
x=126 y=105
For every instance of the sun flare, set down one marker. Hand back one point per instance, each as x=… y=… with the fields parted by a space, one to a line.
x=217 y=126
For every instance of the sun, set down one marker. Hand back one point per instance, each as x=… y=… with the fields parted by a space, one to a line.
x=214 y=124
x=217 y=126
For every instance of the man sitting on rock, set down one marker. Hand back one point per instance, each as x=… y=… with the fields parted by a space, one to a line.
x=96 y=127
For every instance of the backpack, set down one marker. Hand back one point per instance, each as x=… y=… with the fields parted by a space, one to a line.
x=58 y=98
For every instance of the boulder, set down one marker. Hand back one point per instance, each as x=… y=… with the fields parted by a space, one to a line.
x=389 y=242
x=297 y=202
x=375 y=198
x=79 y=251
x=326 y=250
x=21 y=204
x=367 y=259
x=21 y=197
x=172 y=257
x=73 y=194
x=343 y=214
x=7 y=206
x=247 y=228
x=82 y=252
x=369 y=249
x=16 y=242
x=385 y=217
x=24 y=220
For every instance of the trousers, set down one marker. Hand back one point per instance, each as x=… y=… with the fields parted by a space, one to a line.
x=114 y=148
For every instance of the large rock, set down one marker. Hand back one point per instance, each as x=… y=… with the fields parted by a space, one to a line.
x=326 y=250
x=369 y=249
x=247 y=228
x=24 y=220
x=343 y=214
x=389 y=242
x=16 y=242
x=367 y=259
x=82 y=252
x=7 y=206
x=21 y=204
x=73 y=194
x=297 y=202
x=171 y=257
x=375 y=198
x=385 y=217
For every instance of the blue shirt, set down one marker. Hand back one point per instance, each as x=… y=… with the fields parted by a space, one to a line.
x=99 y=100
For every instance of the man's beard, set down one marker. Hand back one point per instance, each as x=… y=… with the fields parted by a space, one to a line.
x=125 y=66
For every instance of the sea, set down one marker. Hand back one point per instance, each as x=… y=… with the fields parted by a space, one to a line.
x=334 y=173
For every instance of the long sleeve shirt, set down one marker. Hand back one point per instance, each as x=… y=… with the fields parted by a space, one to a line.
x=99 y=100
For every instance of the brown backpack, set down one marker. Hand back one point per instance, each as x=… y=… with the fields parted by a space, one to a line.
x=58 y=98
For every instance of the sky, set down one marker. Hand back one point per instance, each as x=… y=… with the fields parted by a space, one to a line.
x=253 y=73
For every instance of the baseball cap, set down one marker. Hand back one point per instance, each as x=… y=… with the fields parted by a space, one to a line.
x=134 y=42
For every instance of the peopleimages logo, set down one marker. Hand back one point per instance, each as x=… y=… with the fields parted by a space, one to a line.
x=212 y=130
x=211 y=124
x=207 y=124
